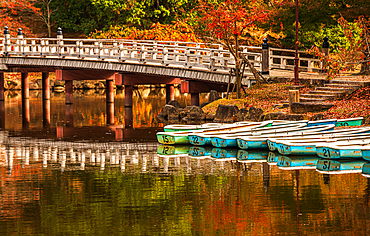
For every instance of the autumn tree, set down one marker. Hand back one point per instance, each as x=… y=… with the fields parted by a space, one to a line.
x=12 y=14
x=226 y=23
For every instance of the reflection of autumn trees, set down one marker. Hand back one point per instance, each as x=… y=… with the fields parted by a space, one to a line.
x=225 y=201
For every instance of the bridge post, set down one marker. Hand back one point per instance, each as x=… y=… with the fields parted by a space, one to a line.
x=170 y=92
x=128 y=95
x=265 y=58
x=6 y=40
x=194 y=99
x=128 y=117
x=25 y=85
x=69 y=91
x=2 y=89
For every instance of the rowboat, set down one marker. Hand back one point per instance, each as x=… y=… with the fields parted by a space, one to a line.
x=365 y=153
x=222 y=154
x=273 y=158
x=230 y=140
x=349 y=122
x=308 y=146
x=200 y=151
x=366 y=170
x=297 y=162
x=173 y=150
x=342 y=149
x=322 y=122
x=182 y=137
x=252 y=156
x=260 y=142
x=271 y=142
x=340 y=166
x=205 y=138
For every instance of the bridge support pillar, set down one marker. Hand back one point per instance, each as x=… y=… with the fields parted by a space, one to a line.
x=195 y=99
x=69 y=115
x=2 y=115
x=170 y=92
x=25 y=86
x=128 y=117
x=110 y=113
x=2 y=89
x=69 y=91
x=110 y=101
x=26 y=118
x=128 y=95
x=46 y=99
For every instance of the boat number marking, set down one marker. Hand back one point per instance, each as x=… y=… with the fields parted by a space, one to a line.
x=326 y=165
x=195 y=140
x=165 y=139
x=195 y=151
x=165 y=150
x=326 y=152
x=343 y=124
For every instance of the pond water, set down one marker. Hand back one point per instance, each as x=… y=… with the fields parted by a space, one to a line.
x=88 y=178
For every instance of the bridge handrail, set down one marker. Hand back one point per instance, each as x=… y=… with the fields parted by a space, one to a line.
x=187 y=54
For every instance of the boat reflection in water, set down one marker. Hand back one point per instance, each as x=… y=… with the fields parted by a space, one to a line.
x=223 y=154
x=200 y=152
x=252 y=156
x=273 y=158
x=340 y=166
x=297 y=162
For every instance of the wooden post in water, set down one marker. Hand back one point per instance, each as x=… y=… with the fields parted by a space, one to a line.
x=25 y=85
x=46 y=99
x=69 y=91
x=194 y=99
x=170 y=92
x=293 y=96
x=2 y=89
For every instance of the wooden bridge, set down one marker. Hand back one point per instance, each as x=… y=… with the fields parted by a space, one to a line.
x=198 y=67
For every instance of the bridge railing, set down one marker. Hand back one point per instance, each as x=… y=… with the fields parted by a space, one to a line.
x=210 y=57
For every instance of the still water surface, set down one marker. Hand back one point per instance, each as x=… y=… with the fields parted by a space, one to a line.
x=93 y=179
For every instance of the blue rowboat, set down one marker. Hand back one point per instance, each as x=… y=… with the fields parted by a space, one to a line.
x=182 y=137
x=260 y=142
x=366 y=170
x=340 y=166
x=308 y=146
x=322 y=122
x=353 y=132
x=170 y=150
x=222 y=154
x=365 y=153
x=349 y=122
x=252 y=156
x=204 y=138
x=200 y=152
x=297 y=162
x=342 y=150
x=230 y=140
x=273 y=158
